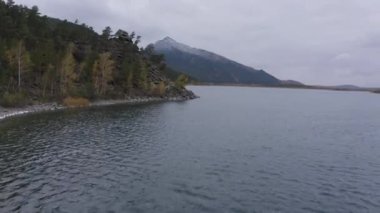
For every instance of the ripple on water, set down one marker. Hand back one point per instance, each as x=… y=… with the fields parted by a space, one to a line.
x=197 y=156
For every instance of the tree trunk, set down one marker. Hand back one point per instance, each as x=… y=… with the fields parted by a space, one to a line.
x=102 y=82
x=19 y=66
x=51 y=88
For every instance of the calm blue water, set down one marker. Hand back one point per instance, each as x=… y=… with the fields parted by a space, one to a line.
x=232 y=150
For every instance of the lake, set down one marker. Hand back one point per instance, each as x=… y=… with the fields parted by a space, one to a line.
x=235 y=149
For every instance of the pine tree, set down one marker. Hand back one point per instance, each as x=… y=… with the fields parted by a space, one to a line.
x=106 y=34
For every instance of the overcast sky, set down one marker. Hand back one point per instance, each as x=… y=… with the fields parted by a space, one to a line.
x=328 y=42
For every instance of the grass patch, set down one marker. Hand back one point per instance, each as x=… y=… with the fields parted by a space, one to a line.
x=9 y=100
x=158 y=89
x=76 y=102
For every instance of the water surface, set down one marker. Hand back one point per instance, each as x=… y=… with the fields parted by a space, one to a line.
x=232 y=150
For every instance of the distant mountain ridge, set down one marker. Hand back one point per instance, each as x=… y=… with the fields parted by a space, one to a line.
x=347 y=87
x=209 y=67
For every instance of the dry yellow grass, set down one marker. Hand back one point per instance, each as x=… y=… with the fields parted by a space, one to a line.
x=76 y=102
x=158 y=89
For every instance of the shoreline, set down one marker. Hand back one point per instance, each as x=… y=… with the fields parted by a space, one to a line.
x=6 y=113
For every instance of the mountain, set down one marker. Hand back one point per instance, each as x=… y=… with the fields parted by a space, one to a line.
x=209 y=67
x=347 y=87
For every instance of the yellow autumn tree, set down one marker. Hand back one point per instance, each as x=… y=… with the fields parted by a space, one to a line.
x=181 y=81
x=162 y=88
x=67 y=71
x=102 y=73
x=19 y=60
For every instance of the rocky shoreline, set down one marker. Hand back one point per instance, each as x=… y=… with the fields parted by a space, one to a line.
x=12 y=112
x=46 y=107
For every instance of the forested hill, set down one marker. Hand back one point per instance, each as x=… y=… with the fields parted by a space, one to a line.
x=209 y=67
x=43 y=58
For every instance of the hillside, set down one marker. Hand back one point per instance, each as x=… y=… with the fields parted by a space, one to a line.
x=43 y=58
x=209 y=67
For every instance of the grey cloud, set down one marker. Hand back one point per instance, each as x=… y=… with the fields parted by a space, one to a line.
x=314 y=41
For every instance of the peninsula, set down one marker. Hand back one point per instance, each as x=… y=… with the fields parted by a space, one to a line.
x=67 y=64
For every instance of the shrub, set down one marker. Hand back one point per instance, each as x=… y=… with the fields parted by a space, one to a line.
x=13 y=100
x=85 y=91
x=181 y=81
x=76 y=102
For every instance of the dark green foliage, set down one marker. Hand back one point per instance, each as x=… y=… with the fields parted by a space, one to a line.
x=58 y=58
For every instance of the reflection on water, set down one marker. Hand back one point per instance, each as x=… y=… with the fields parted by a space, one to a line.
x=233 y=150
